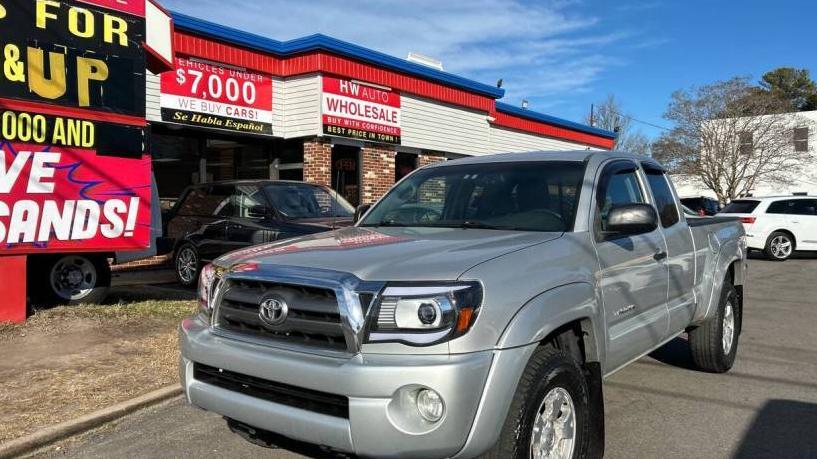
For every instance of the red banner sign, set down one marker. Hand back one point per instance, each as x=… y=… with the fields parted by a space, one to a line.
x=222 y=97
x=360 y=111
x=74 y=172
x=66 y=199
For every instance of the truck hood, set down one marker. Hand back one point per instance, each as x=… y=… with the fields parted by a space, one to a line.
x=390 y=254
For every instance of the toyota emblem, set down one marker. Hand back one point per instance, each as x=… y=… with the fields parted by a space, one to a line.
x=273 y=311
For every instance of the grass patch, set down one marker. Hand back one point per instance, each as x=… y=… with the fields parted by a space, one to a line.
x=68 y=361
x=56 y=319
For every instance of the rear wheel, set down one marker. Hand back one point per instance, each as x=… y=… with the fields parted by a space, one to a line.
x=550 y=413
x=69 y=279
x=187 y=265
x=714 y=343
x=779 y=246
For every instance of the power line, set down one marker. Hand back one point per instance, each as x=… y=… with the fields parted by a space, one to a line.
x=638 y=120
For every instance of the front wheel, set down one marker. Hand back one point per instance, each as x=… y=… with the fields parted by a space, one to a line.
x=550 y=413
x=714 y=343
x=70 y=279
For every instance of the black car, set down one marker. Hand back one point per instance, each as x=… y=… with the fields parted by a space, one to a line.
x=702 y=205
x=212 y=219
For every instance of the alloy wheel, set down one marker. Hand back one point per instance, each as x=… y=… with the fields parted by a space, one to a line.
x=554 y=429
x=781 y=247
x=187 y=264
x=728 y=335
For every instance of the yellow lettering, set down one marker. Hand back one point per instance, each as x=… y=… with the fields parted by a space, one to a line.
x=42 y=12
x=73 y=22
x=88 y=134
x=2 y=11
x=12 y=67
x=40 y=128
x=74 y=132
x=58 y=137
x=89 y=69
x=52 y=88
x=9 y=126
x=115 y=26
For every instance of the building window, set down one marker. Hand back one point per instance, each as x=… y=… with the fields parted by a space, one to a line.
x=346 y=172
x=746 y=143
x=801 y=139
x=404 y=164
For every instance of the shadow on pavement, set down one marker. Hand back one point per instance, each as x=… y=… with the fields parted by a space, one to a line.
x=675 y=353
x=148 y=284
x=758 y=255
x=782 y=428
x=272 y=440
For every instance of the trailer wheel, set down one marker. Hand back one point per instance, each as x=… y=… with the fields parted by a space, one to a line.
x=69 y=279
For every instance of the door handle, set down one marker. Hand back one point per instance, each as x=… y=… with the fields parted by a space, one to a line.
x=660 y=255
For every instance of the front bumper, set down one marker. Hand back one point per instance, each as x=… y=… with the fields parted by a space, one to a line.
x=380 y=423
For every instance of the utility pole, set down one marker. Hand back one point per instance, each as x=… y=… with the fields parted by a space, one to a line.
x=592 y=121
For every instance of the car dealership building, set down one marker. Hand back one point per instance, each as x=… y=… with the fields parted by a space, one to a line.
x=318 y=109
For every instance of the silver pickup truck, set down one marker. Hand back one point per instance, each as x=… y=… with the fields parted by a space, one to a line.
x=473 y=311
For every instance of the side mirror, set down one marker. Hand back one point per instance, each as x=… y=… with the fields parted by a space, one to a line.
x=258 y=211
x=360 y=210
x=632 y=219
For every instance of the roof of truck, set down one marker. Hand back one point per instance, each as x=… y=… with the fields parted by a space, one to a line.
x=564 y=155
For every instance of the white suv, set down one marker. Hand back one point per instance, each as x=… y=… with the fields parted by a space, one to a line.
x=778 y=225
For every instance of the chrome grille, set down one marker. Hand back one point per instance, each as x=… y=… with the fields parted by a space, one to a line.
x=313 y=318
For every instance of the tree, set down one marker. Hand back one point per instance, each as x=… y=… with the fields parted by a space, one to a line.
x=729 y=137
x=792 y=85
x=609 y=115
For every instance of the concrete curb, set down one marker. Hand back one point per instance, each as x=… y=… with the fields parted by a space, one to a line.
x=81 y=424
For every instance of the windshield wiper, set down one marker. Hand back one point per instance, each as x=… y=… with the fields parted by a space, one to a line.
x=386 y=223
x=469 y=224
x=479 y=225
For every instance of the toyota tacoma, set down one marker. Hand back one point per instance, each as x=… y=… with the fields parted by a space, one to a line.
x=473 y=311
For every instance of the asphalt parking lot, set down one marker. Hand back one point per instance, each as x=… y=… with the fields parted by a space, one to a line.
x=766 y=407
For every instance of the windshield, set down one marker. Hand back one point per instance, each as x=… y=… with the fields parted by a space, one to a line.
x=523 y=196
x=740 y=207
x=302 y=200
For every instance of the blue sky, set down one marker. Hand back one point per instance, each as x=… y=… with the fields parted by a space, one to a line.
x=561 y=55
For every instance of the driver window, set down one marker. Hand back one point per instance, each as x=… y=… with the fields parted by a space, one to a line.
x=619 y=185
x=245 y=198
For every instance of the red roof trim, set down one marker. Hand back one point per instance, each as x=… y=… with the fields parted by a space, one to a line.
x=323 y=62
x=326 y=63
x=521 y=124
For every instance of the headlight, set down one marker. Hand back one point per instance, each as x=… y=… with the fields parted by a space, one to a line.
x=422 y=315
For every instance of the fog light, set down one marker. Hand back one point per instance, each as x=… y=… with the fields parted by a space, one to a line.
x=430 y=405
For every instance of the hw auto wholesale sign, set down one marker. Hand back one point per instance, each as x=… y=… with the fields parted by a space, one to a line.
x=356 y=110
x=73 y=173
x=217 y=96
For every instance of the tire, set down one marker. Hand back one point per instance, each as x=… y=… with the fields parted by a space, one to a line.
x=187 y=265
x=714 y=344
x=780 y=246
x=69 y=279
x=552 y=375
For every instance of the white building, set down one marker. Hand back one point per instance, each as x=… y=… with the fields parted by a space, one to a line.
x=801 y=179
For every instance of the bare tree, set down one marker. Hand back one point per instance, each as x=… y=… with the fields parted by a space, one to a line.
x=609 y=115
x=729 y=136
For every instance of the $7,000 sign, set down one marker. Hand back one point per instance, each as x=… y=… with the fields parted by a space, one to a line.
x=210 y=95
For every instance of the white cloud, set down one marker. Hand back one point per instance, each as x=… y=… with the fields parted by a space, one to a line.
x=541 y=49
